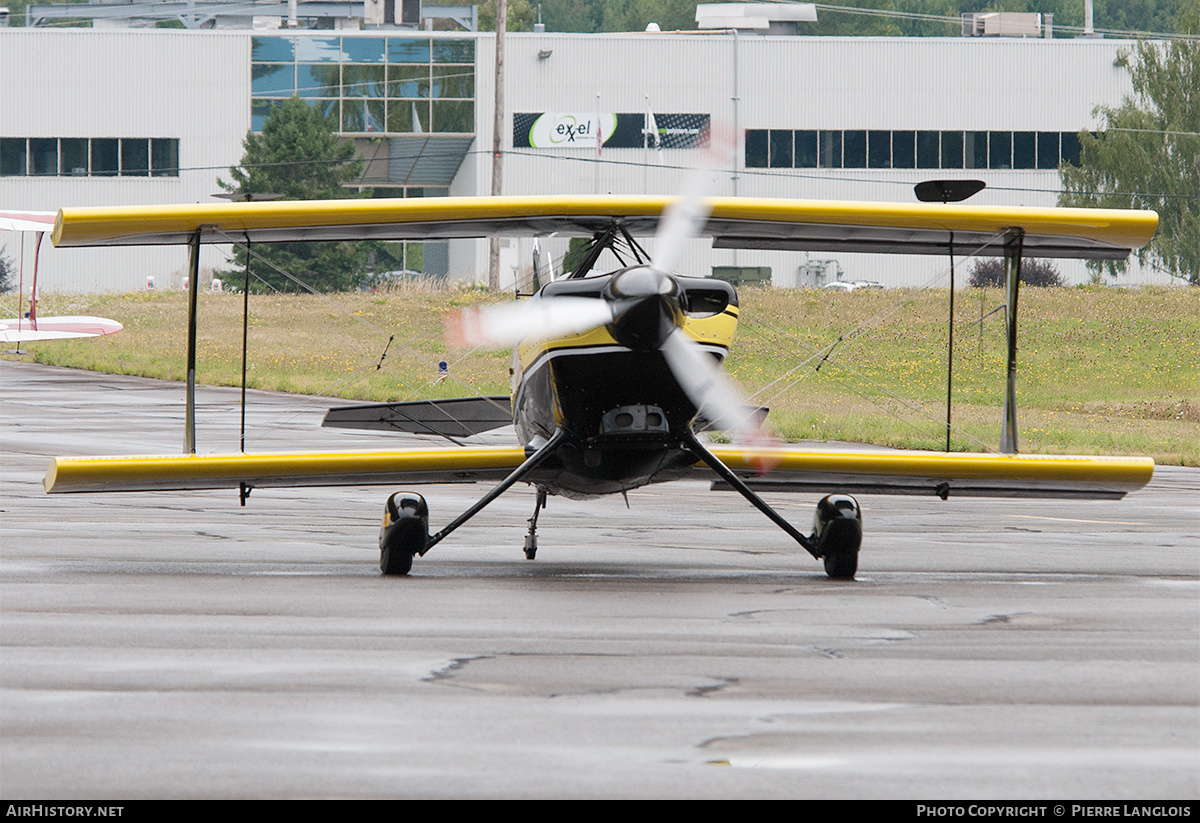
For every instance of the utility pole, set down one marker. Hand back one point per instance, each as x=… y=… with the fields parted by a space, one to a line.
x=497 y=140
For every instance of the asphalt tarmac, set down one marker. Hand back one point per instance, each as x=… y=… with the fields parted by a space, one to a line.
x=176 y=645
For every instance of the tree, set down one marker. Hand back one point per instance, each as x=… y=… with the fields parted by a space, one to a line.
x=521 y=16
x=991 y=273
x=299 y=156
x=6 y=274
x=1147 y=154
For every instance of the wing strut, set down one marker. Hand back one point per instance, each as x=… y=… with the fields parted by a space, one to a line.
x=726 y=474
x=1013 y=247
x=950 y=346
x=245 y=341
x=531 y=462
x=189 y=430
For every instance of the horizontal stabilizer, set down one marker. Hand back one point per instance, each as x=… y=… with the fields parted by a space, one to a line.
x=458 y=417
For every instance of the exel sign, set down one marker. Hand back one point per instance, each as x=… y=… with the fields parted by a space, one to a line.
x=581 y=130
x=571 y=130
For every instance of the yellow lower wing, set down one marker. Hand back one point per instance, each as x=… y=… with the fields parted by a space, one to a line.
x=219 y=471
x=943 y=474
x=786 y=469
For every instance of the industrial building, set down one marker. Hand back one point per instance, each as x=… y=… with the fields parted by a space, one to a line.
x=107 y=116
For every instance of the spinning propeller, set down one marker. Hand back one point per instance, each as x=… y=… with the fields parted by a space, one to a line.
x=642 y=307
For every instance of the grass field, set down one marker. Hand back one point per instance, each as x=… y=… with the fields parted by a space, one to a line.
x=1100 y=370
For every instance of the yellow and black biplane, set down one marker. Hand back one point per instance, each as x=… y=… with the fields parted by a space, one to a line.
x=613 y=374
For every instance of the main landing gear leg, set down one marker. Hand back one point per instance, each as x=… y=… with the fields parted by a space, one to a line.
x=405 y=527
x=837 y=530
x=531 y=538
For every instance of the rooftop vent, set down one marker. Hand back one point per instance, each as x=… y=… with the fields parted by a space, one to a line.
x=1004 y=24
x=761 y=18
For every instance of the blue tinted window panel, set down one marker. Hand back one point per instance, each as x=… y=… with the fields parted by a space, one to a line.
x=756 y=148
x=929 y=154
x=329 y=109
x=1024 y=150
x=259 y=111
x=318 y=49
x=318 y=81
x=1047 y=150
x=453 y=82
x=1000 y=144
x=363 y=116
x=904 y=154
x=408 y=81
x=879 y=149
x=364 y=81
x=273 y=49
x=400 y=115
x=854 y=149
x=454 y=51
x=364 y=49
x=408 y=50
x=805 y=154
x=415 y=112
x=781 y=149
x=273 y=80
x=457 y=116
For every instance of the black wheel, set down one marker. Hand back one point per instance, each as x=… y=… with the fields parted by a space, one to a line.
x=841 y=564
x=395 y=560
x=405 y=532
x=838 y=533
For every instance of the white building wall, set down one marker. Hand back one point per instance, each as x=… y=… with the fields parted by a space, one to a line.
x=750 y=82
x=194 y=86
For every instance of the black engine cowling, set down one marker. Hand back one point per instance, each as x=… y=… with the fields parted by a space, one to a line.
x=837 y=532
x=405 y=532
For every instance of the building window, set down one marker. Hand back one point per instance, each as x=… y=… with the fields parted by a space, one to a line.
x=1000 y=150
x=975 y=150
x=806 y=150
x=928 y=150
x=952 y=150
x=1024 y=150
x=82 y=157
x=756 y=149
x=854 y=149
x=1047 y=149
x=902 y=149
x=879 y=149
x=368 y=85
x=781 y=149
x=829 y=149
x=1070 y=147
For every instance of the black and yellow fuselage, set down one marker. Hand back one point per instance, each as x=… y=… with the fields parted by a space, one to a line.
x=620 y=406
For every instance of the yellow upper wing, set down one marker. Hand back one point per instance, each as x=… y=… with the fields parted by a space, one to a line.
x=735 y=222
